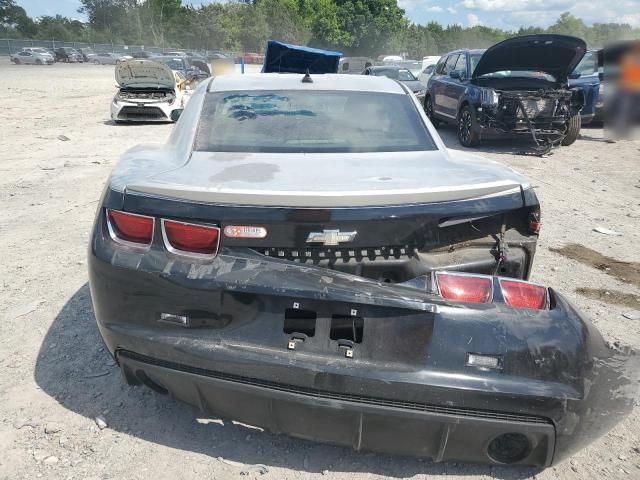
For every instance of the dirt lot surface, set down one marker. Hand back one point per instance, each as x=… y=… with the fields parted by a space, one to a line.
x=57 y=147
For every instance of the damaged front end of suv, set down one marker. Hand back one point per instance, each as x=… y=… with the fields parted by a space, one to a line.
x=523 y=90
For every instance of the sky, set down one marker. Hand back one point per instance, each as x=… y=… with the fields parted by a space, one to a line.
x=506 y=14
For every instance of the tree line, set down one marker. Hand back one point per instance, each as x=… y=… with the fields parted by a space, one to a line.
x=355 y=27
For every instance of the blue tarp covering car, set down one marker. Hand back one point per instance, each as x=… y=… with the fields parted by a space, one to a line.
x=285 y=58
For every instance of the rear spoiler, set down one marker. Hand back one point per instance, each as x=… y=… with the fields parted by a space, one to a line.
x=284 y=58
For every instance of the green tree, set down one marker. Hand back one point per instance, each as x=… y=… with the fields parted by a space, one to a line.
x=60 y=28
x=14 y=21
x=284 y=20
x=369 y=24
x=321 y=19
x=567 y=24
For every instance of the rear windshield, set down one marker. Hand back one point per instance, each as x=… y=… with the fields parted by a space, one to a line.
x=310 y=121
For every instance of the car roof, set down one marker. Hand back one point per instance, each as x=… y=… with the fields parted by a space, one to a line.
x=388 y=67
x=465 y=50
x=166 y=57
x=293 y=81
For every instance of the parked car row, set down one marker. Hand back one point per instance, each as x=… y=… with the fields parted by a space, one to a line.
x=42 y=56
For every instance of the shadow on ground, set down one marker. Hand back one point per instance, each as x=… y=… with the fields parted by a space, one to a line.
x=74 y=367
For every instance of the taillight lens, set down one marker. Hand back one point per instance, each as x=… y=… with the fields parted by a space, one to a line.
x=524 y=295
x=534 y=222
x=130 y=227
x=191 y=238
x=535 y=226
x=464 y=288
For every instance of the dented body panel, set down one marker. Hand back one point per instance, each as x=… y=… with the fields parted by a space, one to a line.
x=559 y=384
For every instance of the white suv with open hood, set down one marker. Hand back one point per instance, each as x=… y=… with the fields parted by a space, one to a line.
x=148 y=92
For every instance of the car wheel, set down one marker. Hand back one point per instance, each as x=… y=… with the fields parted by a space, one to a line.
x=38 y=61
x=428 y=109
x=96 y=62
x=16 y=61
x=573 y=130
x=467 y=127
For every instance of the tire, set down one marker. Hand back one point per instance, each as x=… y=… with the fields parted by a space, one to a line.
x=17 y=61
x=38 y=61
x=96 y=62
x=428 y=109
x=573 y=130
x=468 y=134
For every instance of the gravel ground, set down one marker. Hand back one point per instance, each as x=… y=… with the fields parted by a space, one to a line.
x=57 y=147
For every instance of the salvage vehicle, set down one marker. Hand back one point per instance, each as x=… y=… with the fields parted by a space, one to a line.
x=586 y=76
x=33 y=57
x=414 y=66
x=194 y=70
x=68 y=55
x=517 y=87
x=400 y=74
x=106 y=58
x=148 y=92
x=354 y=65
x=87 y=54
x=143 y=54
x=425 y=75
x=290 y=265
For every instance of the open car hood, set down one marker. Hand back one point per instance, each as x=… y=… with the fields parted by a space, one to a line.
x=144 y=72
x=557 y=55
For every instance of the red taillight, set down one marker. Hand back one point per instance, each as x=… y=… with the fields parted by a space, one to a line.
x=464 y=288
x=524 y=295
x=534 y=223
x=130 y=227
x=191 y=238
x=534 y=226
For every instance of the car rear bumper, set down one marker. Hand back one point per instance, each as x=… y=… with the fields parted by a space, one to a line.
x=245 y=351
x=358 y=422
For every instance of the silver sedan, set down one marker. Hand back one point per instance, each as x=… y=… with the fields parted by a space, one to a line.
x=108 y=58
x=32 y=57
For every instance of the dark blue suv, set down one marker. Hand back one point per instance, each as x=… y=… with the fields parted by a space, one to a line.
x=587 y=76
x=517 y=87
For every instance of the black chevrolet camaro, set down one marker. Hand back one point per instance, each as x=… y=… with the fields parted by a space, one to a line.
x=305 y=255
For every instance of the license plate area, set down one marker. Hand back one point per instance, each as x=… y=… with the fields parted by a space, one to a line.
x=356 y=332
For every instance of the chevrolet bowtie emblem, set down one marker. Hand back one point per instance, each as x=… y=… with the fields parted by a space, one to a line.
x=331 y=237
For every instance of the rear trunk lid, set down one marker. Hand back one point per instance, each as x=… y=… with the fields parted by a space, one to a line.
x=337 y=180
x=338 y=207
